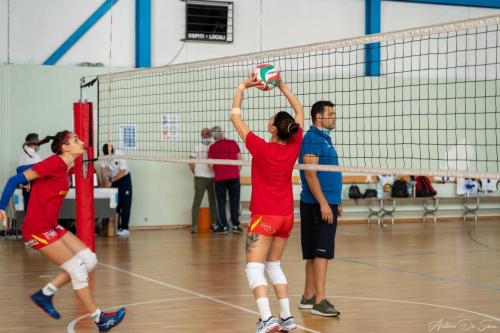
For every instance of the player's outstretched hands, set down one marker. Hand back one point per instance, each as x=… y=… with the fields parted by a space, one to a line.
x=281 y=84
x=249 y=82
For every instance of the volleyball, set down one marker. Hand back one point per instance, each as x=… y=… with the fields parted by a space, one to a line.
x=267 y=75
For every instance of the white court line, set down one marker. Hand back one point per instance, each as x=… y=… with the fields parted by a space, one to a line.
x=72 y=324
x=188 y=292
x=396 y=301
x=416 y=303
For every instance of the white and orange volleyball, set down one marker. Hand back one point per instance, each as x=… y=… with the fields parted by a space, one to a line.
x=267 y=76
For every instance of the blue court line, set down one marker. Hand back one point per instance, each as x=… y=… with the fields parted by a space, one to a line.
x=427 y=275
x=469 y=233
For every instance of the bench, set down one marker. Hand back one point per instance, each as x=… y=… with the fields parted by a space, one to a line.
x=386 y=207
x=380 y=210
x=105 y=203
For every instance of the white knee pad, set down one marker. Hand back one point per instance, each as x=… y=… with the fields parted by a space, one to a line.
x=77 y=272
x=255 y=275
x=89 y=259
x=276 y=275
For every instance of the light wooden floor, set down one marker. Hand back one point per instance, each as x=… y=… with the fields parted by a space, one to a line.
x=408 y=278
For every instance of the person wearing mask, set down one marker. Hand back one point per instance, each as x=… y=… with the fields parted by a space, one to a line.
x=41 y=231
x=29 y=157
x=227 y=180
x=115 y=173
x=203 y=180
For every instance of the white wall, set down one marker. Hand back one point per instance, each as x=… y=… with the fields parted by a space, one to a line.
x=4 y=145
x=37 y=28
x=297 y=22
x=3 y=31
x=400 y=15
x=283 y=23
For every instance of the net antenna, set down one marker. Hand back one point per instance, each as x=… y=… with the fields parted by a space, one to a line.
x=433 y=110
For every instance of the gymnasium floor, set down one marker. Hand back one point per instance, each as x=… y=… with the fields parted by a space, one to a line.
x=407 y=278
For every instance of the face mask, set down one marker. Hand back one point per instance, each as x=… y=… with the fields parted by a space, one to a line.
x=325 y=131
x=206 y=141
x=110 y=152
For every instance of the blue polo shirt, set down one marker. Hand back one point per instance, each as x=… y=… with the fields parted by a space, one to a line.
x=318 y=143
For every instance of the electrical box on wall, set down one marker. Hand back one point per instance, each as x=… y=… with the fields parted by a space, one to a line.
x=210 y=21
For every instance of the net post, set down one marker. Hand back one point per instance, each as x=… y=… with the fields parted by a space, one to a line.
x=84 y=174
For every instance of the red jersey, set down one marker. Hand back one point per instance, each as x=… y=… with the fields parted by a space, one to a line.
x=272 y=166
x=47 y=195
x=225 y=149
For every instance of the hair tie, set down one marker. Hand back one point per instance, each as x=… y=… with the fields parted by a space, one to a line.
x=66 y=138
x=288 y=128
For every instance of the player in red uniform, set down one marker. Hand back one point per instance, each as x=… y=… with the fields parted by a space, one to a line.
x=41 y=231
x=271 y=204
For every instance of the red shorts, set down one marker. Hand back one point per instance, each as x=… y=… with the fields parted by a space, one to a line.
x=271 y=225
x=39 y=240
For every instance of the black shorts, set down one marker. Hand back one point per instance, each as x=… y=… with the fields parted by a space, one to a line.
x=317 y=236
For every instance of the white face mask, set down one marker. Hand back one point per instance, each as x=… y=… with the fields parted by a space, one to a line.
x=206 y=141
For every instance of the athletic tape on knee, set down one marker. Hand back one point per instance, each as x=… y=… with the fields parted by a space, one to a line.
x=77 y=272
x=89 y=259
x=255 y=275
x=276 y=275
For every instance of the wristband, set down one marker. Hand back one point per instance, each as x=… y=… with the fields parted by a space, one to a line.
x=236 y=111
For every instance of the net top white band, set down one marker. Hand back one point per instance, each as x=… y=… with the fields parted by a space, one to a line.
x=330 y=168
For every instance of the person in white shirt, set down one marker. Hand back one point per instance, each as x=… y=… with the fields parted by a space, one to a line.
x=203 y=180
x=29 y=157
x=115 y=173
x=31 y=146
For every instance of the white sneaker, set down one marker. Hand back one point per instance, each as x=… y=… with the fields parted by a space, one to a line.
x=123 y=233
x=269 y=326
x=288 y=324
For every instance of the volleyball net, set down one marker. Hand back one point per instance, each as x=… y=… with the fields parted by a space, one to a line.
x=421 y=101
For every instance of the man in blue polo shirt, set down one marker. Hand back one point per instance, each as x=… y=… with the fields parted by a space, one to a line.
x=320 y=206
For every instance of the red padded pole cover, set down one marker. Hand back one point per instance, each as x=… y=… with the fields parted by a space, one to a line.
x=84 y=175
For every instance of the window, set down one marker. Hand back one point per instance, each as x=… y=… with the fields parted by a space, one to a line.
x=209 y=21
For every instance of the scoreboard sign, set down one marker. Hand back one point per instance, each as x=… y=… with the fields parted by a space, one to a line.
x=209 y=21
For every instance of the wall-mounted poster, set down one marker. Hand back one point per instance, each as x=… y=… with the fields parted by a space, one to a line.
x=169 y=127
x=128 y=136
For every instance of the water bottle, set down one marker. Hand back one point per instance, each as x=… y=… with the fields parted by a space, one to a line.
x=18 y=200
x=380 y=191
x=410 y=189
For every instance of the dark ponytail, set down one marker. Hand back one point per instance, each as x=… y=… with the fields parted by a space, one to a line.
x=286 y=125
x=57 y=141
x=45 y=140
